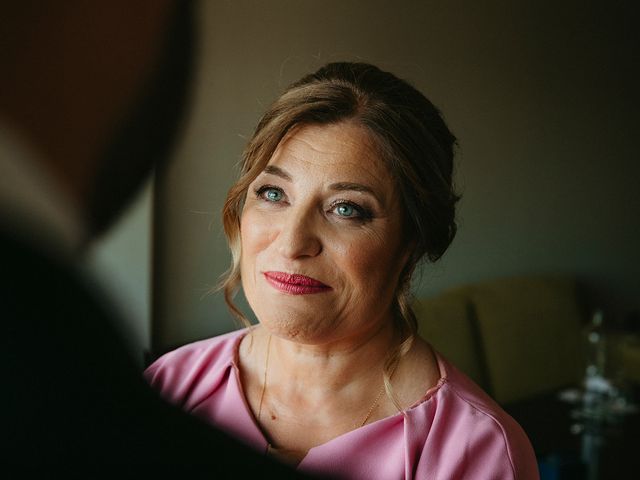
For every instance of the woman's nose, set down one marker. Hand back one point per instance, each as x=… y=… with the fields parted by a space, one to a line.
x=298 y=237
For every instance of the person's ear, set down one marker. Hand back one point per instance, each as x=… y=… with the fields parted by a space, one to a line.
x=407 y=261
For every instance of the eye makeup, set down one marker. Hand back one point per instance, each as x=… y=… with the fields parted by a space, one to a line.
x=341 y=208
x=362 y=213
x=269 y=193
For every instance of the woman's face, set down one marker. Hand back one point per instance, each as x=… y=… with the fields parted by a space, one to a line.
x=321 y=234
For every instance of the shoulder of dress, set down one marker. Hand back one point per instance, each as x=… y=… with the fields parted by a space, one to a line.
x=483 y=418
x=191 y=362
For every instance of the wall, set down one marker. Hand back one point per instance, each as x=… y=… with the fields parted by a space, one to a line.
x=121 y=261
x=541 y=95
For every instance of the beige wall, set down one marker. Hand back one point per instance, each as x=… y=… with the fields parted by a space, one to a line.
x=121 y=262
x=541 y=95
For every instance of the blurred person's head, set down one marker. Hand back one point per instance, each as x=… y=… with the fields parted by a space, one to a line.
x=98 y=89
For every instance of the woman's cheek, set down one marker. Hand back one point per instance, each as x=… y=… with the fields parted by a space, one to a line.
x=368 y=253
x=256 y=230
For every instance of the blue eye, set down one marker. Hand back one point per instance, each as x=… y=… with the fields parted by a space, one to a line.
x=274 y=195
x=351 y=211
x=345 y=210
x=270 y=194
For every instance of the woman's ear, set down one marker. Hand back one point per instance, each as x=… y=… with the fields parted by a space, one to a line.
x=407 y=261
x=408 y=254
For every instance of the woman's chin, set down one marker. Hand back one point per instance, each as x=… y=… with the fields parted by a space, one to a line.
x=299 y=330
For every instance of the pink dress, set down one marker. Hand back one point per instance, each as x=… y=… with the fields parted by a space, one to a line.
x=455 y=432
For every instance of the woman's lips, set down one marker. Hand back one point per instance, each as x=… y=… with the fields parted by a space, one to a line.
x=295 y=284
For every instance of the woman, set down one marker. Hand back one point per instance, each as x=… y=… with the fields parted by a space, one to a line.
x=345 y=186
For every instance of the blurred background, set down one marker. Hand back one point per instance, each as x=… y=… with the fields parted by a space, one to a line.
x=543 y=97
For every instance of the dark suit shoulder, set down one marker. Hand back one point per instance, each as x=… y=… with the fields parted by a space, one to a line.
x=72 y=394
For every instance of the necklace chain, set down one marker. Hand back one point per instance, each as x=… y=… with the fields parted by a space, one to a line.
x=264 y=389
x=373 y=407
x=264 y=378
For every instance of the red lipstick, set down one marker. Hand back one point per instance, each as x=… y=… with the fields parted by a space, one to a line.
x=295 y=284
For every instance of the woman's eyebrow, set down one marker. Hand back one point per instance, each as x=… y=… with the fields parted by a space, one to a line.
x=338 y=187
x=278 y=172
x=356 y=187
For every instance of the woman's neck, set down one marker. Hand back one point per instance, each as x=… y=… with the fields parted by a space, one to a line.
x=331 y=367
x=306 y=395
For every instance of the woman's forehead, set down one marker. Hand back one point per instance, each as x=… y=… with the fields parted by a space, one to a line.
x=342 y=150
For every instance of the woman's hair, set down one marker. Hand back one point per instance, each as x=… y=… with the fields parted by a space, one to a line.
x=411 y=138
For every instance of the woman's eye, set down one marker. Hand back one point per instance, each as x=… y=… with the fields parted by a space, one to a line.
x=350 y=211
x=273 y=195
x=345 y=210
x=270 y=194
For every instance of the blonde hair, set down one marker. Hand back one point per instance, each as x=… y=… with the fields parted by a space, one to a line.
x=413 y=140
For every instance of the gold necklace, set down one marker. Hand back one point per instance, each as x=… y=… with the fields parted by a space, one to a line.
x=264 y=389
x=264 y=380
x=373 y=407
